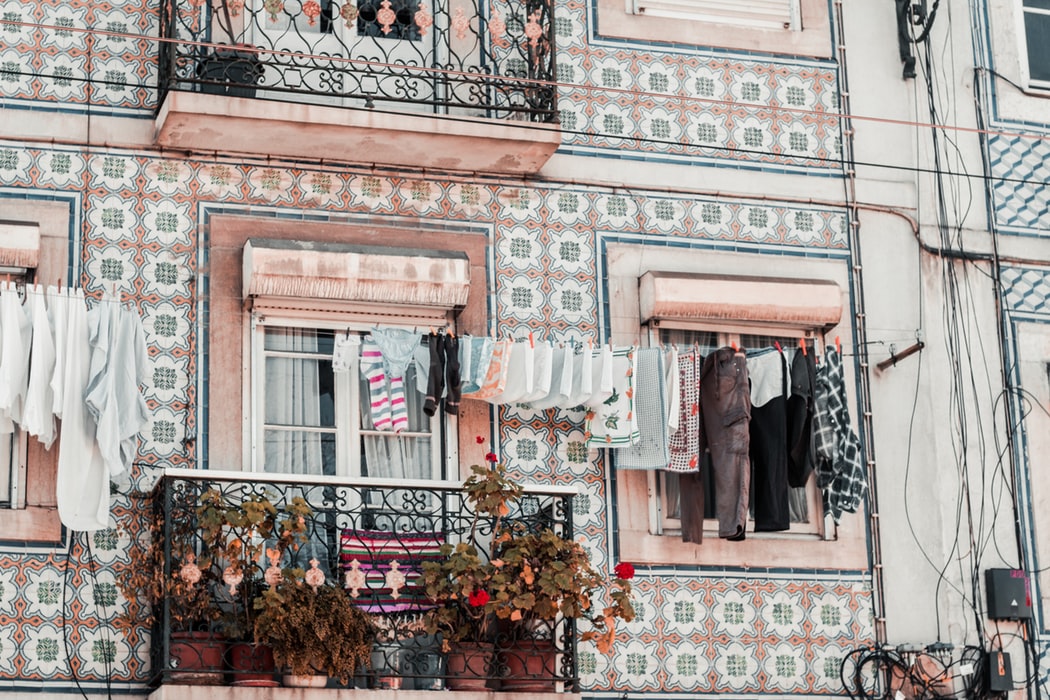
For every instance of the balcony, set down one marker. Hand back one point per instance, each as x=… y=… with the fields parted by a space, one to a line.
x=370 y=540
x=461 y=85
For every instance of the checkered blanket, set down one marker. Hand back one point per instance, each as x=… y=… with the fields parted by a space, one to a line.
x=840 y=468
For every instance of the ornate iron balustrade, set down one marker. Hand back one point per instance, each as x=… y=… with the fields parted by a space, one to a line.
x=483 y=58
x=352 y=533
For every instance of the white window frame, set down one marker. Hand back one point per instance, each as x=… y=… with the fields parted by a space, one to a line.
x=348 y=431
x=757 y=14
x=14 y=446
x=819 y=526
x=1029 y=81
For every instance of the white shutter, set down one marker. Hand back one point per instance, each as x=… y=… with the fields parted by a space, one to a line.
x=762 y=14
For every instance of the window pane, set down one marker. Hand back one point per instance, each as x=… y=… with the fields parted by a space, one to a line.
x=1037 y=38
x=403 y=26
x=299 y=452
x=384 y=454
x=1038 y=4
x=707 y=341
x=300 y=340
x=299 y=392
x=7 y=443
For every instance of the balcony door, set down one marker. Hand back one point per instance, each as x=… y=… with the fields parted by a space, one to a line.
x=359 y=53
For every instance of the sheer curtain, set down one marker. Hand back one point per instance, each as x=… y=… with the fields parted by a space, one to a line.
x=387 y=455
x=296 y=397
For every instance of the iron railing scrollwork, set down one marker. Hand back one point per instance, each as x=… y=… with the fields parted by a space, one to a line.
x=352 y=526
x=479 y=58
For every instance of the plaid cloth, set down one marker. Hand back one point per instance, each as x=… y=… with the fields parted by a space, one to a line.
x=839 y=467
x=685 y=442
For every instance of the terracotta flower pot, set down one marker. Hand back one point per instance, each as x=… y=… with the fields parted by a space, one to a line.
x=195 y=658
x=252 y=665
x=469 y=666
x=530 y=667
x=293 y=680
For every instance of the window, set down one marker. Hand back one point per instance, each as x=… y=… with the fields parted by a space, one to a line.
x=804 y=502
x=311 y=419
x=759 y=14
x=34 y=244
x=314 y=307
x=796 y=27
x=714 y=297
x=1037 y=41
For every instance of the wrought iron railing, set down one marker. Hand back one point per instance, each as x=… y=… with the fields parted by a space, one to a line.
x=482 y=58
x=218 y=537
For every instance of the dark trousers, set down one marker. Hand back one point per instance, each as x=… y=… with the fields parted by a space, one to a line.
x=725 y=407
x=444 y=368
x=770 y=465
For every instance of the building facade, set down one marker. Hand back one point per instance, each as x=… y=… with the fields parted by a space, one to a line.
x=768 y=159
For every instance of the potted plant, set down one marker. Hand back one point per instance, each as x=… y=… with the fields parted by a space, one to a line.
x=461 y=583
x=544 y=578
x=237 y=529
x=529 y=578
x=313 y=628
x=165 y=581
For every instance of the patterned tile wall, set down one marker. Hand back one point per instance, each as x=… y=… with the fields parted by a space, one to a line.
x=647 y=100
x=61 y=66
x=1020 y=167
x=140 y=229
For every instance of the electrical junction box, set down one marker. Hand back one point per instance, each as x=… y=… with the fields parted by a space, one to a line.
x=1009 y=594
x=1000 y=676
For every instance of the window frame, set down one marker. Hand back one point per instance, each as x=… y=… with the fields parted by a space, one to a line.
x=736 y=17
x=1035 y=84
x=819 y=525
x=444 y=455
x=813 y=38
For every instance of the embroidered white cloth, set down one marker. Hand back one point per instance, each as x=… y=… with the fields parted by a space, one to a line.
x=612 y=423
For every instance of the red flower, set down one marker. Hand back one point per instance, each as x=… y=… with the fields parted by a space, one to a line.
x=624 y=570
x=491 y=457
x=478 y=598
x=480 y=439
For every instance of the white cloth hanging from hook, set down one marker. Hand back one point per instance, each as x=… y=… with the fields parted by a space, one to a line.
x=82 y=484
x=119 y=364
x=14 y=360
x=38 y=417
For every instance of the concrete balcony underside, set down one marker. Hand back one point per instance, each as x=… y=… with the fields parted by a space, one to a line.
x=207 y=123
x=187 y=692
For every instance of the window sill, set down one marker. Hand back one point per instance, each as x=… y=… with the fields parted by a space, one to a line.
x=31 y=524
x=848 y=552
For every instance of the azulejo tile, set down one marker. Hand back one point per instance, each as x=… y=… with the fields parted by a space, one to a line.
x=736 y=666
x=734 y=612
x=518 y=249
x=785 y=667
x=572 y=300
x=684 y=612
x=688 y=664
x=14 y=164
x=220 y=181
x=168 y=176
x=636 y=665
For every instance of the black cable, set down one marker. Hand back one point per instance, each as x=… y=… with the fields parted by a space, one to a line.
x=65 y=619
x=95 y=596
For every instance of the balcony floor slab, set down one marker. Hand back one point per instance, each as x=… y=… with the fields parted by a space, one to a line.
x=207 y=123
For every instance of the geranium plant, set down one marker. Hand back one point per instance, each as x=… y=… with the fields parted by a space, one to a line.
x=528 y=575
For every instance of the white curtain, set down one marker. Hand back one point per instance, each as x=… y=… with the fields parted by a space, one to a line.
x=396 y=456
x=293 y=399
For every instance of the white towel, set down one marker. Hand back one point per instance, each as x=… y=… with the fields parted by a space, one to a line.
x=612 y=423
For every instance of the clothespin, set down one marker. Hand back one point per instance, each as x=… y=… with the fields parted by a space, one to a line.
x=733 y=345
x=776 y=343
x=802 y=344
x=532 y=341
x=838 y=345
